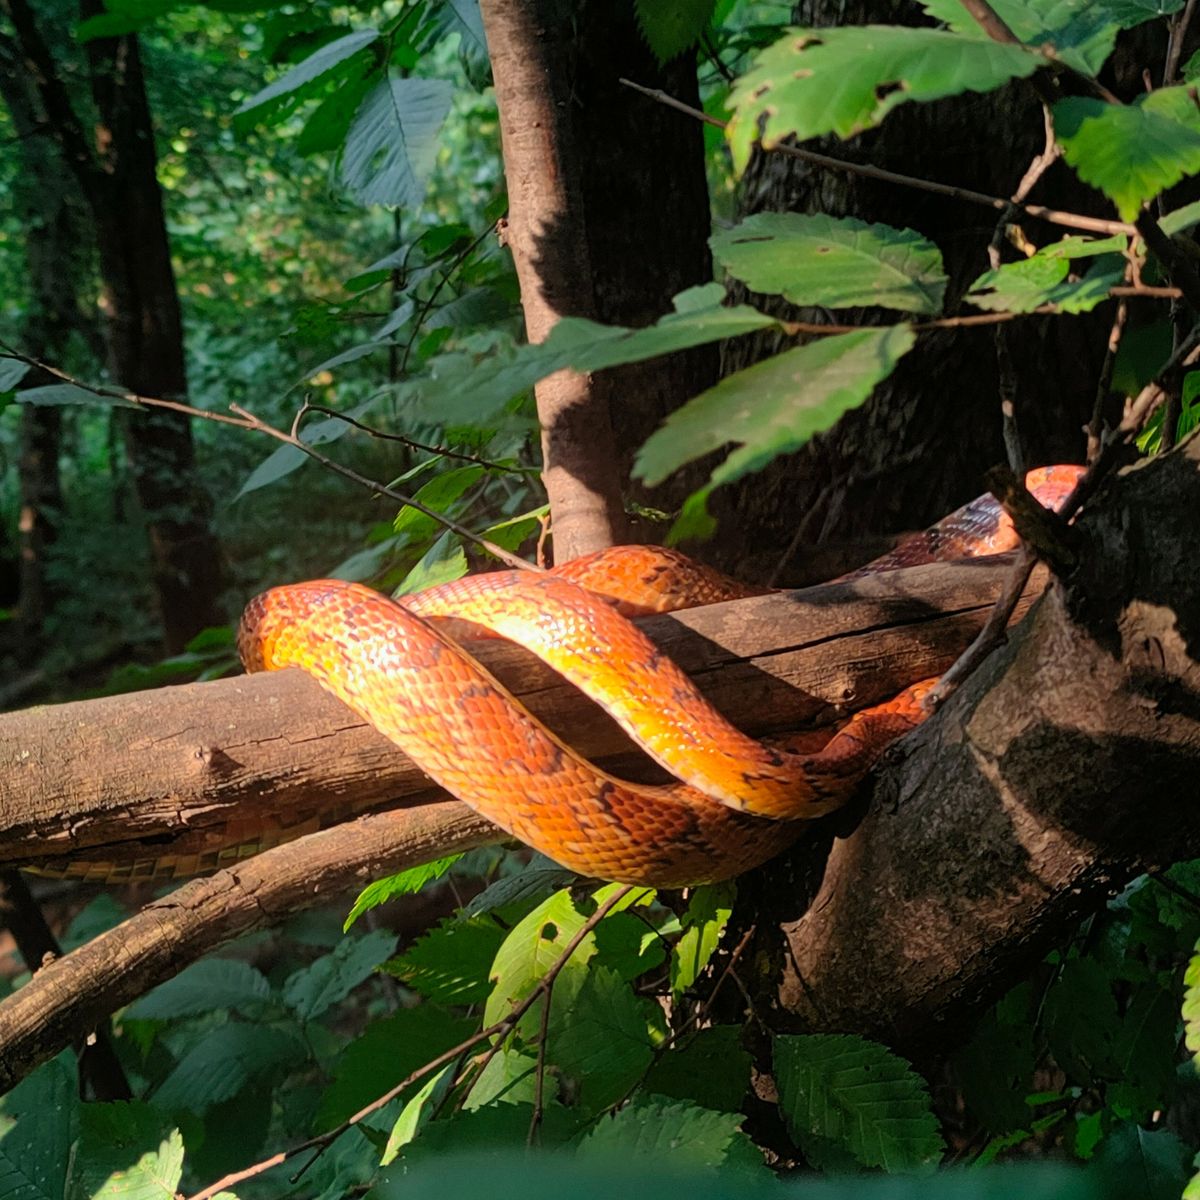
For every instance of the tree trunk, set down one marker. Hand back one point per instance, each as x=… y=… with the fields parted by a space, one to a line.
x=919 y=446
x=145 y=342
x=115 y=169
x=608 y=219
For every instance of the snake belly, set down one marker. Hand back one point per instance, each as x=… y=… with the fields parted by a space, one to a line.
x=737 y=802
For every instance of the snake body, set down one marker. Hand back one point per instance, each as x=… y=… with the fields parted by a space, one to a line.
x=737 y=801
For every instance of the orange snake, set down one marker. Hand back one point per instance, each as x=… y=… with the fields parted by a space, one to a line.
x=738 y=801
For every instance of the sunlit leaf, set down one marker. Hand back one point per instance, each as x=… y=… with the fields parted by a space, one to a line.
x=1131 y=152
x=405 y=883
x=324 y=60
x=838 y=262
x=392 y=143
x=844 y=80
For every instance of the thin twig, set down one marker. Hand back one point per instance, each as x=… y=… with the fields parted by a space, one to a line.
x=412 y=443
x=1175 y=40
x=244 y=419
x=499 y=1030
x=1095 y=427
x=1055 y=216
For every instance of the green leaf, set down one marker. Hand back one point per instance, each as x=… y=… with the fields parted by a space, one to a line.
x=223 y=1062
x=1191 y=1004
x=1145 y=1053
x=845 y=80
x=462 y=389
x=839 y=262
x=510 y=1076
x=311 y=990
x=531 y=949
x=12 y=371
x=443 y=562
x=672 y=26
x=775 y=406
x=1081 y=1022
x=858 y=1097
x=536 y=879
x=386 y=1052
x=599 y=1034
x=329 y=56
x=670 y=1133
x=711 y=1069
x=406 y=883
x=1150 y=1166
x=417 y=1113
x=1181 y=219
x=204 y=987
x=439 y=494
x=498 y=1127
x=450 y=963
x=35 y=1152
x=995 y=1071
x=55 y=394
x=1042 y=280
x=392 y=144
x=704 y=921
x=1082 y=32
x=1131 y=152
x=128 y=1152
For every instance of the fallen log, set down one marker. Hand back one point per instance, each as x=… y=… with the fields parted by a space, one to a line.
x=184 y=776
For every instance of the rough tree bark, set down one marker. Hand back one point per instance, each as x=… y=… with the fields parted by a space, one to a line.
x=608 y=219
x=919 y=446
x=116 y=172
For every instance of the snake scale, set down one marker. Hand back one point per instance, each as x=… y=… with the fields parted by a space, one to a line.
x=402 y=665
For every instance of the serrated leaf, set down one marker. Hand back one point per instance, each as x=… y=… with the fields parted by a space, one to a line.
x=531 y=949
x=494 y=1128
x=1042 y=280
x=537 y=879
x=671 y=26
x=128 y=1151
x=204 y=987
x=1191 y=1004
x=858 y=1096
x=405 y=883
x=386 y=1052
x=450 y=963
x=223 y=1062
x=35 y=1150
x=311 y=990
x=1081 y=1022
x=1131 y=152
x=711 y=1068
x=1150 y=1166
x=669 y=1132
x=845 y=80
x=774 y=406
x=838 y=262
x=324 y=60
x=1082 y=32
x=599 y=1034
x=704 y=921
x=392 y=143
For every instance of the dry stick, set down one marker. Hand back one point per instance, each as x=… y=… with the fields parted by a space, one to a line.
x=1175 y=40
x=244 y=419
x=1095 y=427
x=1054 y=216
